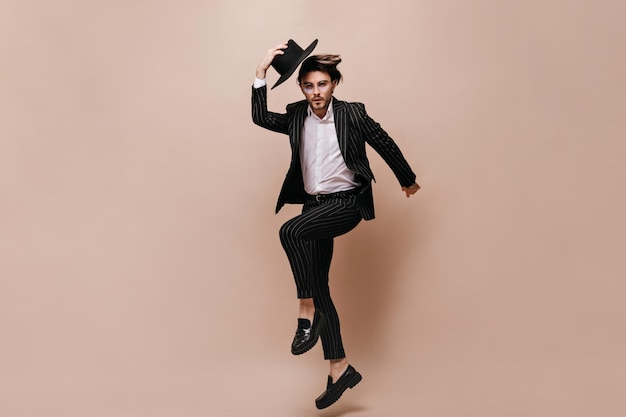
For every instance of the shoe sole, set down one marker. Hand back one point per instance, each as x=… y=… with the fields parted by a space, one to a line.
x=356 y=378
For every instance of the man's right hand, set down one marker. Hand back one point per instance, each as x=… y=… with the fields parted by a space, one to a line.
x=267 y=60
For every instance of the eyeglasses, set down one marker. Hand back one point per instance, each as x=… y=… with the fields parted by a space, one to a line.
x=322 y=87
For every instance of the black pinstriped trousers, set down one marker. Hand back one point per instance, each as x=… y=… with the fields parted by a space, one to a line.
x=308 y=243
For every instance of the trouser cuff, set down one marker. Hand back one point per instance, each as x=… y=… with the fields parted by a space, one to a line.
x=305 y=294
x=334 y=355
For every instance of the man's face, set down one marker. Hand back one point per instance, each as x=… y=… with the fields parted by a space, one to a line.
x=318 y=90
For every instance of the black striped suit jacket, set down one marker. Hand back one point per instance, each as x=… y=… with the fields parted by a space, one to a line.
x=354 y=129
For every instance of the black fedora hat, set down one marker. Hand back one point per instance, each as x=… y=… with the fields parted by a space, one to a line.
x=287 y=63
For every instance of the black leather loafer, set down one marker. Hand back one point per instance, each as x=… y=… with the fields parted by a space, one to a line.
x=333 y=391
x=306 y=337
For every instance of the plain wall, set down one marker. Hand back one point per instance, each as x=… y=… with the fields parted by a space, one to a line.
x=140 y=268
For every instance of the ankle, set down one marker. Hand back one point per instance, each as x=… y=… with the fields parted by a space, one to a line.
x=306 y=309
x=337 y=368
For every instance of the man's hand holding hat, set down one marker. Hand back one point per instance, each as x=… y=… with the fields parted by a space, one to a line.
x=267 y=60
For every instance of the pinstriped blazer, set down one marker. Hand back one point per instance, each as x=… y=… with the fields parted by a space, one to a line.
x=354 y=128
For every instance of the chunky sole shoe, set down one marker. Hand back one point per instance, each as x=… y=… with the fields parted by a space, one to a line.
x=305 y=339
x=334 y=391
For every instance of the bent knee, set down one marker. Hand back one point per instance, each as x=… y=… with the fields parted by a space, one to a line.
x=287 y=232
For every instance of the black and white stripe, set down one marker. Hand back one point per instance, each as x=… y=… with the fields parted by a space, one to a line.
x=308 y=242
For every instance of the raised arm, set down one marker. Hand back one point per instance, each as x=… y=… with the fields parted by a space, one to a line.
x=260 y=115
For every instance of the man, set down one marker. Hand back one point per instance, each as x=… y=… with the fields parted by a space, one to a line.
x=330 y=175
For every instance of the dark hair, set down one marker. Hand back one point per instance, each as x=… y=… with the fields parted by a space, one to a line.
x=325 y=63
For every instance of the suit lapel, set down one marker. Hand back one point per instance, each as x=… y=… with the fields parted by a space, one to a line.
x=341 y=125
x=296 y=127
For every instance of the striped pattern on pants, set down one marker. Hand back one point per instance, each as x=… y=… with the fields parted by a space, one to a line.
x=308 y=242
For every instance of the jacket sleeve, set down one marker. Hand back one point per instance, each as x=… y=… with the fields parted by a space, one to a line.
x=384 y=145
x=276 y=122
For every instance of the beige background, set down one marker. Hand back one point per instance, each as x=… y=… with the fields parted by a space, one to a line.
x=140 y=269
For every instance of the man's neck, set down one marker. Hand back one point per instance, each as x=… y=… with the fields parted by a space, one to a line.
x=320 y=113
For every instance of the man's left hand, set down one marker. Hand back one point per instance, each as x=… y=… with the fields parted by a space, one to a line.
x=409 y=191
